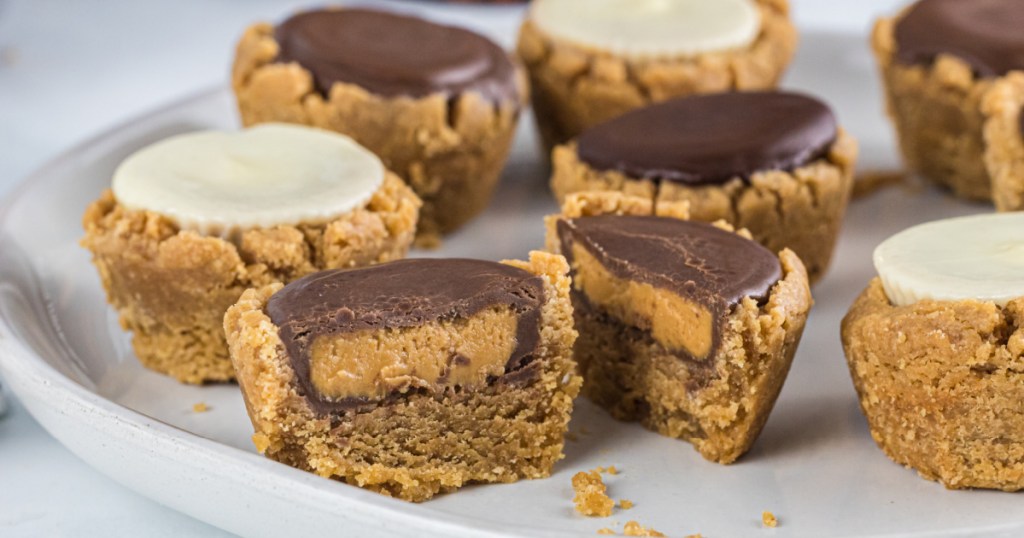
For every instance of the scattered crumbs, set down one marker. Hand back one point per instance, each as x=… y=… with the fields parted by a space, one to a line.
x=626 y=504
x=200 y=408
x=612 y=470
x=591 y=498
x=261 y=441
x=868 y=183
x=605 y=530
x=769 y=519
x=698 y=535
x=572 y=436
x=633 y=528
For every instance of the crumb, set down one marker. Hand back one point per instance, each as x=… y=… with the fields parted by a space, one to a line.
x=591 y=498
x=871 y=182
x=626 y=504
x=261 y=441
x=698 y=535
x=572 y=436
x=200 y=408
x=605 y=530
x=769 y=519
x=633 y=528
x=612 y=470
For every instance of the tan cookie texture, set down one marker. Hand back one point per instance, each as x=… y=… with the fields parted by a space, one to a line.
x=1004 y=141
x=954 y=128
x=574 y=87
x=720 y=404
x=501 y=432
x=450 y=151
x=171 y=287
x=940 y=385
x=801 y=210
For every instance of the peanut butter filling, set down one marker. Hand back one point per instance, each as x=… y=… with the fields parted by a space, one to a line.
x=673 y=321
x=373 y=364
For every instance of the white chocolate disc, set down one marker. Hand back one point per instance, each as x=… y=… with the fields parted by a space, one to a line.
x=650 y=28
x=980 y=257
x=218 y=183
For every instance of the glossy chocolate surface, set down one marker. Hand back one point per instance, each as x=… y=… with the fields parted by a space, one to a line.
x=711 y=139
x=396 y=295
x=395 y=55
x=987 y=34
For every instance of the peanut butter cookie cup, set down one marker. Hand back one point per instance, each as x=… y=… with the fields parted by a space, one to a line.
x=411 y=378
x=438 y=104
x=193 y=221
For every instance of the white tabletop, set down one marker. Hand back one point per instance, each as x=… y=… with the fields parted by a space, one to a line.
x=70 y=69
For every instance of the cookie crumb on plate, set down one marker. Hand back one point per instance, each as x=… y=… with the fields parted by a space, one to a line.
x=769 y=519
x=591 y=494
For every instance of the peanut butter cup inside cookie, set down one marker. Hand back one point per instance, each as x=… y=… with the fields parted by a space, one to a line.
x=329 y=323
x=411 y=378
x=684 y=326
x=775 y=163
x=438 y=104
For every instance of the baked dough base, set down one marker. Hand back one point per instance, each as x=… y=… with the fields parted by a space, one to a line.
x=940 y=385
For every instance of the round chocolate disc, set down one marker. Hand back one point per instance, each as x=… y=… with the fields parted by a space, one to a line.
x=987 y=34
x=395 y=55
x=709 y=139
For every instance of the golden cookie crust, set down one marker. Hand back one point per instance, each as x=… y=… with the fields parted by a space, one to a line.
x=801 y=209
x=939 y=383
x=450 y=151
x=576 y=87
x=1004 y=141
x=954 y=128
x=720 y=407
x=499 y=433
x=171 y=287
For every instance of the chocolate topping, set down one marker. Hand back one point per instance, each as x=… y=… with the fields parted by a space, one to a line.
x=987 y=34
x=694 y=260
x=395 y=55
x=400 y=294
x=710 y=139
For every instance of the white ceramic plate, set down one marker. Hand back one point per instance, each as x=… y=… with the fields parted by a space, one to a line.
x=815 y=465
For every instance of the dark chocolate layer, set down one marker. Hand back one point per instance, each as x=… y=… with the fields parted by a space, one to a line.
x=395 y=55
x=711 y=139
x=400 y=294
x=987 y=34
x=695 y=260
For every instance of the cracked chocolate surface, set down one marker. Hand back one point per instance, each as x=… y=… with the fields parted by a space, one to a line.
x=702 y=264
x=400 y=295
x=395 y=55
x=984 y=33
x=711 y=139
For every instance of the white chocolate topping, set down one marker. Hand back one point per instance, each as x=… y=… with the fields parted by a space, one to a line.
x=979 y=257
x=650 y=28
x=218 y=183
